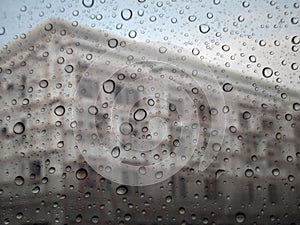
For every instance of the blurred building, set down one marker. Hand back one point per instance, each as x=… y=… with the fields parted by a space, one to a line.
x=254 y=171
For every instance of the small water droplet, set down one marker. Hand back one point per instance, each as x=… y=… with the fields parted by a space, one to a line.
x=296 y=106
x=43 y=83
x=122 y=190
x=69 y=68
x=267 y=72
x=95 y=219
x=158 y=174
x=88 y=3
x=142 y=170
x=59 y=110
x=181 y=210
x=113 y=43
x=172 y=107
x=78 y=218
x=126 y=14
x=19 y=180
x=93 y=110
x=2 y=30
x=132 y=34
x=140 y=114
x=246 y=115
x=126 y=128
x=81 y=174
x=275 y=172
x=225 y=48
x=249 y=173
x=216 y=147
x=168 y=199
x=296 y=40
x=36 y=190
x=109 y=86
x=115 y=152
x=204 y=28
x=291 y=178
x=19 y=128
x=240 y=217
x=252 y=58
x=227 y=87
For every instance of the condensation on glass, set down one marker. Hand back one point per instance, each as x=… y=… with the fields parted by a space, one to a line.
x=151 y=113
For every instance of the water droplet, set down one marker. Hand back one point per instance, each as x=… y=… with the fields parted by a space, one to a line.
x=127 y=217
x=43 y=83
x=69 y=68
x=168 y=199
x=36 y=190
x=232 y=129
x=126 y=14
x=19 y=215
x=246 y=115
x=192 y=18
x=275 y=172
x=240 y=217
x=142 y=170
x=113 y=43
x=60 y=60
x=78 y=218
x=48 y=27
x=245 y=4
x=115 y=152
x=19 y=180
x=162 y=50
x=252 y=58
x=44 y=180
x=132 y=34
x=227 y=87
x=151 y=102
x=140 y=114
x=225 y=48
x=2 y=30
x=204 y=28
x=19 y=128
x=126 y=128
x=121 y=76
x=294 y=66
x=89 y=56
x=93 y=110
x=249 y=173
x=81 y=174
x=195 y=51
x=294 y=20
x=267 y=72
x=109 y=86
x=296 y=106
x=216 y=147
x=95 y=219
x=291 y=178
x=209 y=15
x=59 y=110
x=88 y=3
x=216 y=2
x=122 y=190
x=158 y=174
x=176 y=143
x=195 y=91
x=181 y=210
x=51 y=170
x=296 y=40
x=172 y=107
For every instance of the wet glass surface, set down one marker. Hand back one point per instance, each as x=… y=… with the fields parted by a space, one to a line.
x=149 y=112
